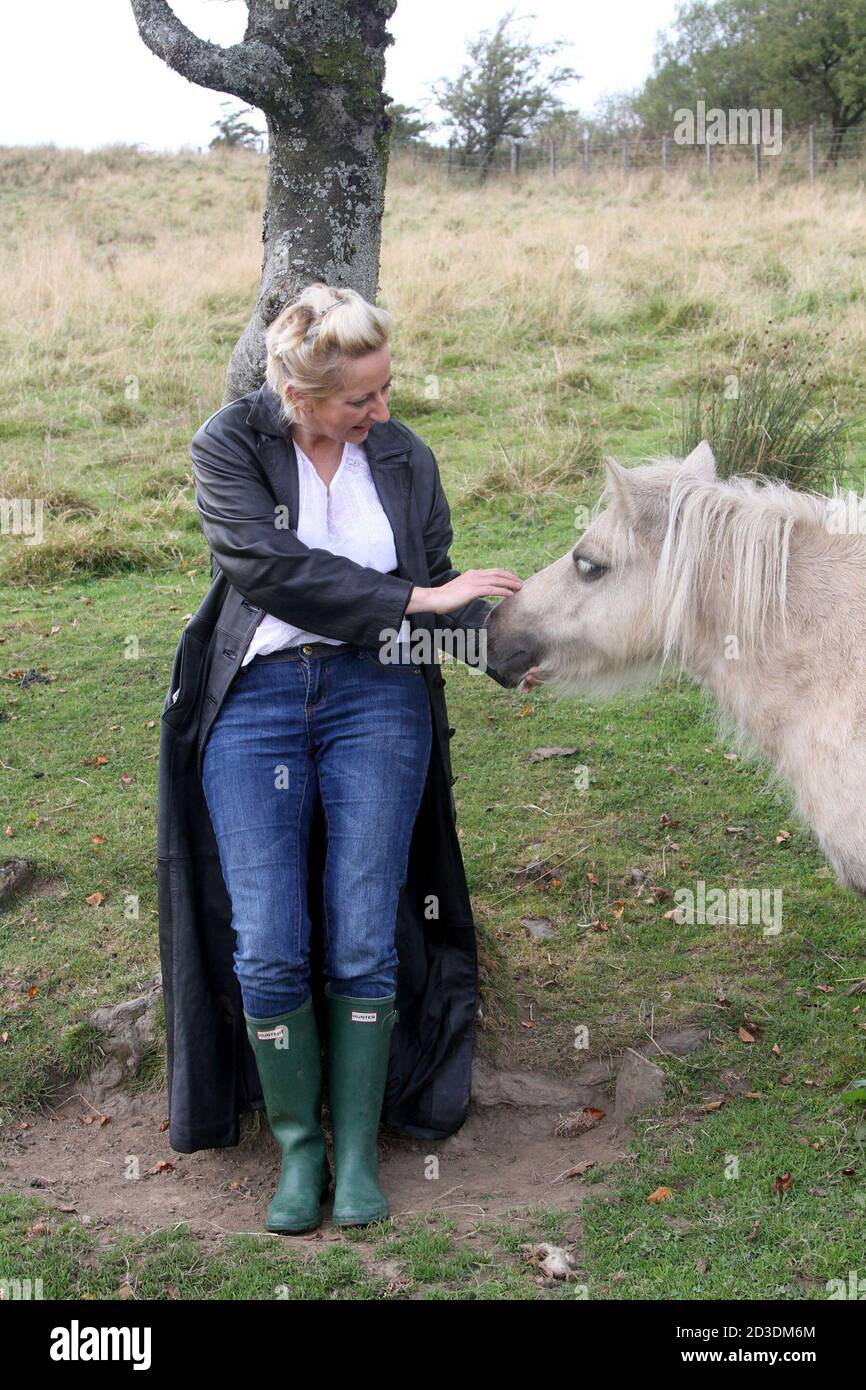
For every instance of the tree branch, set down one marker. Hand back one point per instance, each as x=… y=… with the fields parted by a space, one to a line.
x=251 y=70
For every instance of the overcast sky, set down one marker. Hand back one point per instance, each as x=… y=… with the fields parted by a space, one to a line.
x=75 y=72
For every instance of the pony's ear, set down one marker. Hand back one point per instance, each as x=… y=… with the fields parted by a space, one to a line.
x=640 y=501
x=619 y=486
x=701 y=461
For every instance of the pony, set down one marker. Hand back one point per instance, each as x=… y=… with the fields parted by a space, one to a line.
x=756 y=590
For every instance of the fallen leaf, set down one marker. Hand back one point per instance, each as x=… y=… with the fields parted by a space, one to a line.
x=539 y=754
x=577 y=1171
x=578 y=1122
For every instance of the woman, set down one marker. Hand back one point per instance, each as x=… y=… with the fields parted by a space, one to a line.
x=316 y=717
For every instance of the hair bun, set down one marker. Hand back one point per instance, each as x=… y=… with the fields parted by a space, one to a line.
x=307 y=349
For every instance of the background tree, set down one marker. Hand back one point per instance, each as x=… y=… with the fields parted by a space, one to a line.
x=709 y=55
x=818 y=62
x=809 y=59
x=498 y=93
x=616 y=118
x=234 y=131
x=407 y=123
x=316 y=73
x=564 y=128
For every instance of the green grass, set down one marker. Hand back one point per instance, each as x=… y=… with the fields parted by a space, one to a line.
x=422 y=1260
x=648 y=756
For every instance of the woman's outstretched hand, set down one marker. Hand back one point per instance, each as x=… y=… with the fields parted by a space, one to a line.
x=447 y=598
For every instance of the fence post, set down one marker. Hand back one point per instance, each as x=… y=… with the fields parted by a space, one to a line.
x=813 y=153
x=664 y=153
x=515 y=156
x=414 y=154
x=625 y=156
x=586 y=154
x=450 y=154
x=553 y=159
x=758 y=160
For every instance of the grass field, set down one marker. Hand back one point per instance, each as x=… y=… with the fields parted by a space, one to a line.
x=538 y=327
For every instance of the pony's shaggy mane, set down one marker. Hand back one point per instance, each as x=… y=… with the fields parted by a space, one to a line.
x=737 y=527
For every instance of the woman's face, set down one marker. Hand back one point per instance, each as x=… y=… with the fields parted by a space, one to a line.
x=362 y=400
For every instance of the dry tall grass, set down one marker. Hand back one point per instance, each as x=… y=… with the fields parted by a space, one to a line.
x=538 y=323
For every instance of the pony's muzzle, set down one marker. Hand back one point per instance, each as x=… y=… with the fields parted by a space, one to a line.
x=510 y=652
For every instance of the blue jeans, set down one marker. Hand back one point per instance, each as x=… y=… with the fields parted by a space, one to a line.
x=357 y=734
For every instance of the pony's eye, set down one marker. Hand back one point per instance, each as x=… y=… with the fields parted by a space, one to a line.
x=588 y=568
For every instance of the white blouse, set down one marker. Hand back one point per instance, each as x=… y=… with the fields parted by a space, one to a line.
x=346 y=518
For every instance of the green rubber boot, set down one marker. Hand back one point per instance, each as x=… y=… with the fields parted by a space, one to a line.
x=359 y=1044
x=287 y=1055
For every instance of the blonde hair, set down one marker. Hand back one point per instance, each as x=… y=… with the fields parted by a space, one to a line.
x=311 y=338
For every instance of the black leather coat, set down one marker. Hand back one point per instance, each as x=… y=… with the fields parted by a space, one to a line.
x=246 y=470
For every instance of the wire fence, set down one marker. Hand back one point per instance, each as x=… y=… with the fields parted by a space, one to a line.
x=807 y=152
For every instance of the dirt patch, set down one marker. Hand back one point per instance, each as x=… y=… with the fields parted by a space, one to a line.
x=18 y=876
x=503 y=1162
x=506 y=1161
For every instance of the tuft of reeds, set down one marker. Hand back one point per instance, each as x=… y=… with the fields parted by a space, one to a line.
x=763 y=420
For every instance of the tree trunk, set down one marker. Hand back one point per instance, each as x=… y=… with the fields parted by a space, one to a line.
x=322 y=221
x=836 y=137
x=316 y=73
